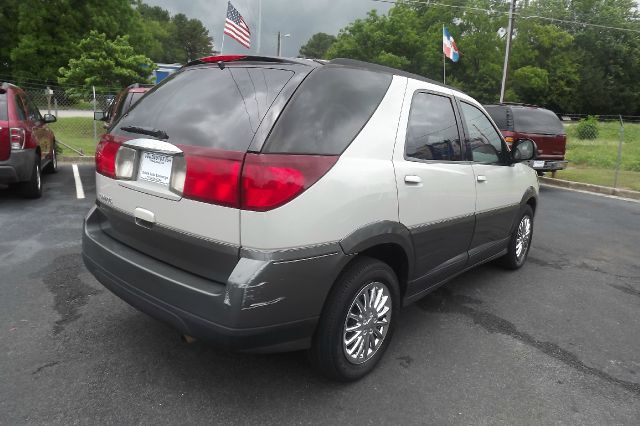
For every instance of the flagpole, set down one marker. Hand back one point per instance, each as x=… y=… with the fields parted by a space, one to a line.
x=259 y=25
x=444 y=62
x=222 y=44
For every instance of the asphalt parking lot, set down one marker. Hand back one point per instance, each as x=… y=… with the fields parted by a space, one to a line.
x=555 y=342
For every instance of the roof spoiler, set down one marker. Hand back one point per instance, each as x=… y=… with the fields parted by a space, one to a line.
x=244 y=58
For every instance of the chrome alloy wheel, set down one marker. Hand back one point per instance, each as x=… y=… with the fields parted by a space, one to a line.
x=367 y=323
x=523 y=238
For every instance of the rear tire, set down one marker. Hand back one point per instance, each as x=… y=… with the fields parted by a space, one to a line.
x=357 y=322
x=520 y=241
x=33 y=187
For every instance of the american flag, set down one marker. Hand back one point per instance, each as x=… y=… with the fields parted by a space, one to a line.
x=236 y=28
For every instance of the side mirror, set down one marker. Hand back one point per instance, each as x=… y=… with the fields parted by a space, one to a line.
x=99 y=116
x=523 y=150
x=49 y=118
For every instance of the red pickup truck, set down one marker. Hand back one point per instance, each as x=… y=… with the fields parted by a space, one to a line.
x=519 y=121
x=27 y=145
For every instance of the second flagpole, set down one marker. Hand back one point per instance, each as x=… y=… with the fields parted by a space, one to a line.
x=444 y=60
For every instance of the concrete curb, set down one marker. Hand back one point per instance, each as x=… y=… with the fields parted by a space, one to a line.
x=607 y=190
x=76 y=159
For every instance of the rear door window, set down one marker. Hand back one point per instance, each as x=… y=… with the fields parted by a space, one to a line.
x=328 y=111
x=485 y=142
x=536 y=120
x=432 y=130
x=208 y=106
x=4 y=113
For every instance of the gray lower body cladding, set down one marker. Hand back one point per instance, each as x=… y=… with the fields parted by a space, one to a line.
x=270 y=302
x=18 y=167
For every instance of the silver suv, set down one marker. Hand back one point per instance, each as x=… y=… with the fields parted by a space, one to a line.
x=269 y=204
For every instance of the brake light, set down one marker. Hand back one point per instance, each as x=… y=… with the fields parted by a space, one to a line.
x=222 y=58
x=208 y=175
x=271 y=180
x=106 y=153
x=17 y=138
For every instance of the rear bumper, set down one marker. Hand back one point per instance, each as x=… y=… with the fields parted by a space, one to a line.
x=548 y=165
x=265 y=305
x=18 y=167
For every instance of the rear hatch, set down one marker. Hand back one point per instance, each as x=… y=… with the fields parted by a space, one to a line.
x=169 y=171
x=543 y=127
x=5 y=147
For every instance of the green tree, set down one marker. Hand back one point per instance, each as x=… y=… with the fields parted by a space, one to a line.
x=317 y=46
x=8 y=35
x=189 y=39
x=48 y=33
x=105 y=64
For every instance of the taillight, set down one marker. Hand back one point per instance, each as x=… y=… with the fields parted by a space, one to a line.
x=208 y=175
x=271 y=180
x=263 y=182
x=17 y=138
x=106 y=153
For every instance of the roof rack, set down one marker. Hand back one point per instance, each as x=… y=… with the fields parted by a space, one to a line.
x=516 y=104
x=382 y=68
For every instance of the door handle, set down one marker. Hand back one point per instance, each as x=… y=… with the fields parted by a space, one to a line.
x=481 y=178
x=412 y=179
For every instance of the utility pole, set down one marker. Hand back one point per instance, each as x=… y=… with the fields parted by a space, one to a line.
x=280 y=36
x=505 y=67
x=278 y=51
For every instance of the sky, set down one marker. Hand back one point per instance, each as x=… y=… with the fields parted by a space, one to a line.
x=300 y=18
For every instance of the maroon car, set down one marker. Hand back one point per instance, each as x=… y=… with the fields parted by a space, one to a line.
x=27 y=145
x=123 y=102
x=518 y=121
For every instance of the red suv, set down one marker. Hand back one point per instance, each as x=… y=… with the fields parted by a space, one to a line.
x=518 y=121
x=27 y=145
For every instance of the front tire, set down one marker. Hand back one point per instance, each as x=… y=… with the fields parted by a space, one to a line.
x=52 y=167
x=520 y=241
x=357 y=322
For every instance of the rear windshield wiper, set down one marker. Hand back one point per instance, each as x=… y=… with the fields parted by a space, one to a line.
x=160 y=134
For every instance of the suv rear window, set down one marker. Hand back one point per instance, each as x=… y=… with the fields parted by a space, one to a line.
x=4 y=114
x=327 y=111
x=208 y=106
x=536 y=120
x=501 y=116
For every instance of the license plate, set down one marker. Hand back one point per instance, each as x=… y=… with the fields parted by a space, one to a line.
x=155 y=168
x=537 y=164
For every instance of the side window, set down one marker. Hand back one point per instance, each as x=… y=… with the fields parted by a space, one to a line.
x=33 y=111
x=485 y=142
x=20 y=109
x=432 y=130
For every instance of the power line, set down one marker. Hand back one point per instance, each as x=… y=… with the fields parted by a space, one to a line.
x=521 y=16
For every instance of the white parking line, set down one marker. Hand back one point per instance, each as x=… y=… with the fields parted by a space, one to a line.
x=76 y=176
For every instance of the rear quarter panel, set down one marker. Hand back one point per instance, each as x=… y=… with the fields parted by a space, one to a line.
x=358 y=190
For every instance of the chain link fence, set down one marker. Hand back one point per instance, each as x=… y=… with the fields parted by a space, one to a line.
x=76 y=131
x=603 y=150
